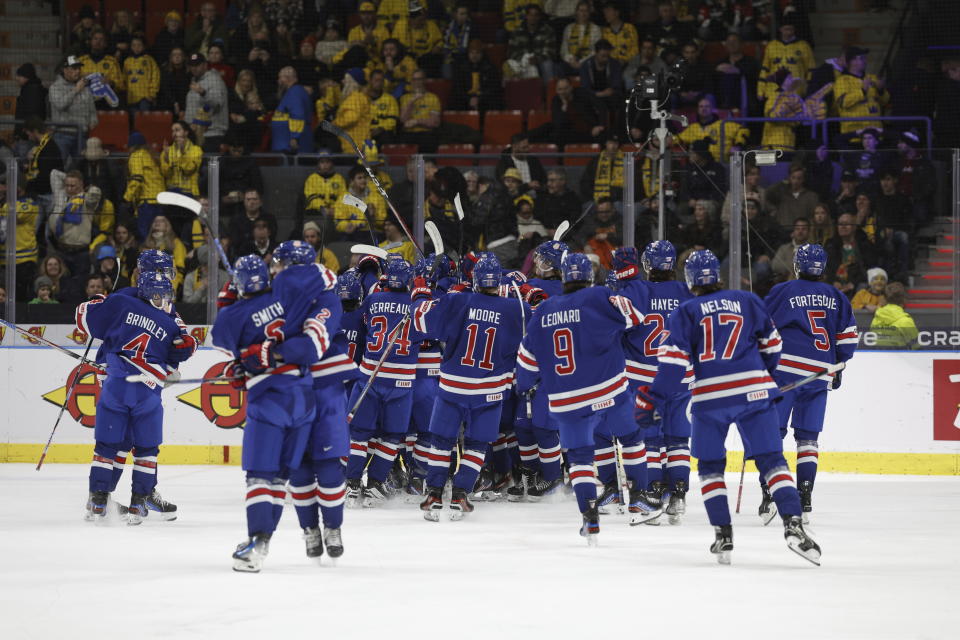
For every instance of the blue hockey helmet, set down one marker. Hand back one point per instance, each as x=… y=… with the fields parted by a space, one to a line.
x=422 y=267
x=349 y=286
x=442 y=265
x=155 y=288
x=292 y=252
x=625 y=257
x=549 y=255
x=611 y=282
x=810 y=259
x=486 y=273
x=659 y=255
x=398 y=271
x=576 y=267
x=250 y=274
x=702 y=268
x=156 y=261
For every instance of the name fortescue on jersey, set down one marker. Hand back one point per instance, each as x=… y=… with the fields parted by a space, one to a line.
x=484 y=315
x=145 y=323
x=712 y=306
x=267 y=314
x=664 y=304
x=389 y=307
x=814 y=300
x=566 y=316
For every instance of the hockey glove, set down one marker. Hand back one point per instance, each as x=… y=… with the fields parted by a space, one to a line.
x=421 y=290
x=183 y=347
x=837 y=379
x=645 y=412
x=369 y=263
x=227 y=296
x=258 y=357
x=458 y=288
x=172 y=378
x=236 y=373
x=533 y=295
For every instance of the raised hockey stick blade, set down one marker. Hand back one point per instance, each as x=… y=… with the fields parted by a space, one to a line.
x=431 y=228
x=368 y=250
x=561 y=229
x=458 y=206
x=175 y=199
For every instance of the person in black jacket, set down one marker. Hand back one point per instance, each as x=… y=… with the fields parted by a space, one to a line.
x=170 y=38
x=476 y=82
x=493 y=216
x=849 y=255
x=576 y=116
x=557 y=202
x=174 y=84
x=32 y=100
x=46 y=158
x=98 y=170
x=238 y=172
x=516 y=156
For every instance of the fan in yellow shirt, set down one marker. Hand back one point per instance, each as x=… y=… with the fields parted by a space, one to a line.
x=789 y=52
x=368 y=33
x=350 y=223
x=354 y=114
x=142 y=75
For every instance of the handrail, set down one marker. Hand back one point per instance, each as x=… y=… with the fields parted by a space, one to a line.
x=824 y=122
x=897 y=36
x=6 y=120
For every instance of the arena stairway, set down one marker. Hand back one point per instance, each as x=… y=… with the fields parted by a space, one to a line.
x=840 y=23
x=29 y=32
x=932 y=282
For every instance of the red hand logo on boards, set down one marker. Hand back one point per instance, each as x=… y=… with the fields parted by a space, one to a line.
x=946 y=399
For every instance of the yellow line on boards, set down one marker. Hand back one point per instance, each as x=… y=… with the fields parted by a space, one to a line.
x=938 y=464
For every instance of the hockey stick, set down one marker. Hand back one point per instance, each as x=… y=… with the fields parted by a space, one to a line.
x=329 y=127
x=459 y=207
x=172 y=198
x=140 y=377
x=561 y=229
x=368 y=250
x=353 y=201
x=621 y=476
x=431 y=228
x=53 y=345
x=743 y=470
x=373 y=375
x=523 y=313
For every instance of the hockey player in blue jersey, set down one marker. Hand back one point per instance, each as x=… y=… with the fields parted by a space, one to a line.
x=140 y=336
x=385 y=410
x=573 y=355
x=481 y=332
x=818 y=329
x=272 y=359
x=318 y=485
x=733 y=347
x=350 y=292
x=546 y=263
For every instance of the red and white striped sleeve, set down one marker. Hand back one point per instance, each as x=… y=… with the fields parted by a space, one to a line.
x=420 y=315
x=527 y=360
x=631 y=316
x=772 y=343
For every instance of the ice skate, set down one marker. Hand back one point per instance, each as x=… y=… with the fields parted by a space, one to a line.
x=644 y=508
x=723 y=545
x=518 y=492
x=460 y=504
x=250 y=555
x=768 y=508
x=590 y=529
x=432 y=504
x=353 y=494
x=375 y=494
x=137 y=510
x=97 y=506
x=677 y=506
x=397 y=480
x=806 y=499
x=333 y=541
x=156 y=503
x=542 y=488
x=313 y=541
x=800 y=541
x=610 y=495
x=490 y=485
x=416 y=488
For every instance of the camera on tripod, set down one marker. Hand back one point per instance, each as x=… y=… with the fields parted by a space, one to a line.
x=658 y=87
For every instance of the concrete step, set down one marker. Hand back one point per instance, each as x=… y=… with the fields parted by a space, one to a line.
x=930 y=293
x=10 y=8
x=29 y=38
x=931 y=305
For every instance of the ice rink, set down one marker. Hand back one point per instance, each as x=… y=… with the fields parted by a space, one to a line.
x=891 y=567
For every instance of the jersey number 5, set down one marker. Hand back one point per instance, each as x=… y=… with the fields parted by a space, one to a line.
x=706 y=323
x=822 y=338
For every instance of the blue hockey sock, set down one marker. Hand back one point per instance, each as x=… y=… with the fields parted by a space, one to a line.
x=420 y=460
x=357 y=460
x=500 y=454
x=808 y=455
x=605 y=458
x=713 y=488
x=101 y=468
x=331 y=491
x=303 y=492
x=119 y=461
x=384 y=452
x=654 y=460
x=582 y=476
x=279 y=493
x=145 y=470
x=438 y=460
x=471 y=462
x=634 y=456
x=527 y=448
x=261 y=496
x=783 y=490
x=678 y=461
x=406 y=451
x=548 y=444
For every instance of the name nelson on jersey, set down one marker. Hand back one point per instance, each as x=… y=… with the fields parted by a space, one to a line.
x=565 y=316
x=813 y=300
x=265 y=315
x=145 y=323
x=713 y=306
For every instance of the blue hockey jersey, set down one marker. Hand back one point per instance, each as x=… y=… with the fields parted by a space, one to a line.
x=106 y=345
x=656 y=300
x=253 y=320
x=481 y=334
x=353 y=329
x=552 y=287
x=573 y=347
x=816 y=325
x=382 y=313
x=136 y=335
x=729 y=339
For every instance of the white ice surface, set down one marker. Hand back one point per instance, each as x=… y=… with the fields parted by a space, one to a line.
x=891 y=569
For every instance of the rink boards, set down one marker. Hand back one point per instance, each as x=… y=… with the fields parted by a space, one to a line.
x=897 y=412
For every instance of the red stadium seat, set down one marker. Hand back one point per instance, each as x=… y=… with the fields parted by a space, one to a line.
x=154 y=125
x=525 y=94
x=113 y=129
x=485 y=25
x=398 y=154
x=441 y=87
x=496 y=53
x=490 y=149
x=545 y=148
x=500 y=126
x=580 y=148
x=537 y=119
x=713 y=53
x=467 y=118
x=458 y=149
